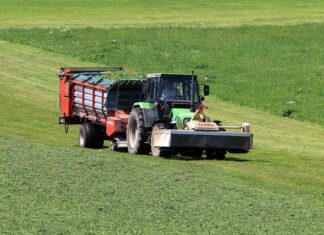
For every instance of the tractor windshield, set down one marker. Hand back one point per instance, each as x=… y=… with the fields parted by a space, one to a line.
x=177 y=89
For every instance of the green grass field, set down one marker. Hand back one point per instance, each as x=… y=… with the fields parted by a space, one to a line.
x=54 y=190
x=48 y=185
x=275 y=69
x=126 y=13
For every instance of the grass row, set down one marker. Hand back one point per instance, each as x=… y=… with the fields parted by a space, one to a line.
x=271 y=68
x=53 y=190
x=110 y=13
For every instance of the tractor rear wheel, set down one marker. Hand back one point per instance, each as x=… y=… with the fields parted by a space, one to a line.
x=136 y=133
x=215 y=154
x=90 y=136
x=156 y=151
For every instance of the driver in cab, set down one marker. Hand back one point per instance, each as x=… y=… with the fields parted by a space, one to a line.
x=170 y=92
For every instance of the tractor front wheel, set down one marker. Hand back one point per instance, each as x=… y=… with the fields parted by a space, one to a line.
x=136 y=133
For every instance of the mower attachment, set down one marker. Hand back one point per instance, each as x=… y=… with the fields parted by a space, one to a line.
x=165 y=138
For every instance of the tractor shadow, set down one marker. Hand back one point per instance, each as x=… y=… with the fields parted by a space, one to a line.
x=179 y=157
x=236 y=159
x=227 y=159
x=186 y=158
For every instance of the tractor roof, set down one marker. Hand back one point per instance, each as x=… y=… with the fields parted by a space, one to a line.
x=165 y=75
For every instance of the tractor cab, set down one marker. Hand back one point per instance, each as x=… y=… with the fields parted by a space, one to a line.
x=170 y=98
x=179 y=90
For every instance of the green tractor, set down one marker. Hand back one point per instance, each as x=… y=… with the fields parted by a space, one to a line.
x=162 y=114
x=170 y=120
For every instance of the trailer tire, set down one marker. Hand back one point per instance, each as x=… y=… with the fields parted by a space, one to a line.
x=136 y=133
x=215 y=154
x=90 y=136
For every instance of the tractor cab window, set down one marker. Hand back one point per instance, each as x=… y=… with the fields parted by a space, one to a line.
x=151 y=90
x=177 y=89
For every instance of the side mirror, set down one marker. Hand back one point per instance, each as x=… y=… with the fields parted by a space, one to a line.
x=206 y=90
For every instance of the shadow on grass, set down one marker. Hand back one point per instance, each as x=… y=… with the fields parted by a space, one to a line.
x=236 y=159
x=187 y=158
x=227 y=159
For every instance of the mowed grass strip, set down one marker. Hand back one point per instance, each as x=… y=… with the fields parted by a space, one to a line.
x=141 y=13
x=277 y=69
x=62 y=190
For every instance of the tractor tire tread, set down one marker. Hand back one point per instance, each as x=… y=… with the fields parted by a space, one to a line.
x=141 y=147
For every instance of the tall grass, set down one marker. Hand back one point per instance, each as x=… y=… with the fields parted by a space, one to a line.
x=272 y=68
x=139 y=13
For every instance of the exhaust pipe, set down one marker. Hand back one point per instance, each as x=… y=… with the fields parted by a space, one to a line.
x=192 y=100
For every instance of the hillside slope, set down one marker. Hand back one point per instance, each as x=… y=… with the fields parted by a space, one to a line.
x=48 y=185
x=280 y=181
x=277 y=69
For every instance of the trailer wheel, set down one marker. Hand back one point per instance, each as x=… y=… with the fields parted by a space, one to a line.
x=136 y=133
x=215 y=154
x=90 y=136
x=156 y=151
